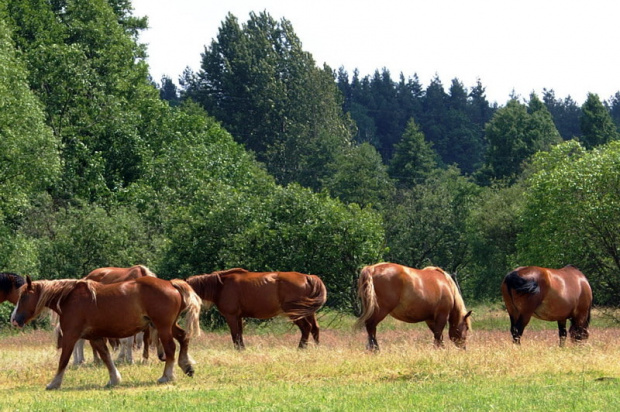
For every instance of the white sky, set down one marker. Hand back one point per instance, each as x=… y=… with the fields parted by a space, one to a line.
x=570 y=46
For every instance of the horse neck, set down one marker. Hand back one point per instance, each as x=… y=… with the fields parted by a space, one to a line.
x=206 y=286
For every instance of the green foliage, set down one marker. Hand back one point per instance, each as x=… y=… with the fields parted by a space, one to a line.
x=267 y=91
x=414 y=158
x=426 y=226
x=514 y=134
x=359 y=176
x=492 y=230
x=597 y=126
x=571 y=215
x=29 y=159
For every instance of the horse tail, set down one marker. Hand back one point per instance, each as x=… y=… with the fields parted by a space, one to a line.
x=521 y=285
x=307 y=305
x=366 y=292
x=192 y=304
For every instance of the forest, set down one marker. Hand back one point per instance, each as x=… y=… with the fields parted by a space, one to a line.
x=264 y=160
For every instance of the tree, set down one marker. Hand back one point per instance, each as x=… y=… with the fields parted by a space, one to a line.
x=597 y=127
x=565 y=113
x=414 y=158
x=267 y=91
x=571 y=215
x=360 y=177
x=427 y=224
x=514 y=134
x=168 y=91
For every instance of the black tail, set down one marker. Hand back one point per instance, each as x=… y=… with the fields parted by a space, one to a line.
x=520 y=285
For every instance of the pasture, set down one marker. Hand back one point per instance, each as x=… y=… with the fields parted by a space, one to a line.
x=273 y=375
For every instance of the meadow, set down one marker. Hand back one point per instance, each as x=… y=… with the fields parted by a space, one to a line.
x=339 y=375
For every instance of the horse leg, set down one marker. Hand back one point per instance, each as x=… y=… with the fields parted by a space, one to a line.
x=165 y=336
x=100 y=346
x=235 y=323
x=305 y=327
x=78 y=352
x=437 y=326
x=146 y=342
x=185 y=361
x=517 y=326
x=126 y=352
x=371 y=329
x=68 y=342
x=315 y=327
x=562 y=332
x=577 y=332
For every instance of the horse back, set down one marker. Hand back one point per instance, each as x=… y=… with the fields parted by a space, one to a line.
x=116 y=274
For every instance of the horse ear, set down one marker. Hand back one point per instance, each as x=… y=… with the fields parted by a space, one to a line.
x=468 y=314
x=29 y=282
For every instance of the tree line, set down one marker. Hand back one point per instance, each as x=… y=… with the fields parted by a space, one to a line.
x=264 y=160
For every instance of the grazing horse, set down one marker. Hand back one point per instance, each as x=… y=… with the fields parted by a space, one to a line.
x=548 y=294
x=94 y=311
x=238 y=294
x=9 y=287
x=412 y=295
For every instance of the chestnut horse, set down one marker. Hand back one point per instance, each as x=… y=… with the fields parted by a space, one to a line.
x=238 y=294
x=412 y=295
x=9 y=286
x=548 y=294
x=107 y=275
x=94 y=311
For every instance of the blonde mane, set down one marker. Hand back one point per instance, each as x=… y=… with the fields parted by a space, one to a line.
x=58 y=290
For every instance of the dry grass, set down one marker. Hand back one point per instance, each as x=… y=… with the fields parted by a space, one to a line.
x=273 y=375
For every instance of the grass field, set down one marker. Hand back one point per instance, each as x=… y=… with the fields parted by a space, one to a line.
x=272 y=375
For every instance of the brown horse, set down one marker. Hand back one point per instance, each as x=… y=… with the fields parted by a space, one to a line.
x=548 y=294
x=108 y=275
x=238 y=294
x=412 y=295
x=93 y=311
x=9 y=286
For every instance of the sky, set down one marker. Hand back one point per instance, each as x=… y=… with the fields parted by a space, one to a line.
x=512 y=46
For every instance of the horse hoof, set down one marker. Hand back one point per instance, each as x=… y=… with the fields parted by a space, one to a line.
x=164 y=379
x=51 y=387
x=189 y=371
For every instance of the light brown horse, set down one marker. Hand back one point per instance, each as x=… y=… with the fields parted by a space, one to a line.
x=93 y=311
x=548 y=294
x=9 y=287
x=107 y=275
x=412 y=295
x=239 y=294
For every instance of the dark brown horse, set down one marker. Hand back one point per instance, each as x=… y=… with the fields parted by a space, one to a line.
x=239 y=294
x=108 y=275
x=93 y=311
x=548 y=294
x=412 y=295
x=9 y=286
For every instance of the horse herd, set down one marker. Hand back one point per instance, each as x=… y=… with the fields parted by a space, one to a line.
x=118 y=303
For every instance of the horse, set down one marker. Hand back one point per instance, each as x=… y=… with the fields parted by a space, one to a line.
x=9 y=286
x=238 y=293
x=412 y=295
x=94 y=311
x=107 y=275
x=551 y=295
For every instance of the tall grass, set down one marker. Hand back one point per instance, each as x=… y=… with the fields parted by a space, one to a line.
x=272 y=375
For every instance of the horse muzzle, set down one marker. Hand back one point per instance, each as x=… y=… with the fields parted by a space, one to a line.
x=18 y=321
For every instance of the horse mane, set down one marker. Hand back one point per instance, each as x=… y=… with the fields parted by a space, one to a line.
x=207 y=286
x=146 y=271
x=9 y=281
x=58 y=290
x=459 y=303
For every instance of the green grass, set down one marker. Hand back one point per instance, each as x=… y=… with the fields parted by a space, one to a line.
x=272 y=375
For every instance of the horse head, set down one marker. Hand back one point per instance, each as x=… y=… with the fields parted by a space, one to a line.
x=27 y=304
x=458 y=332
